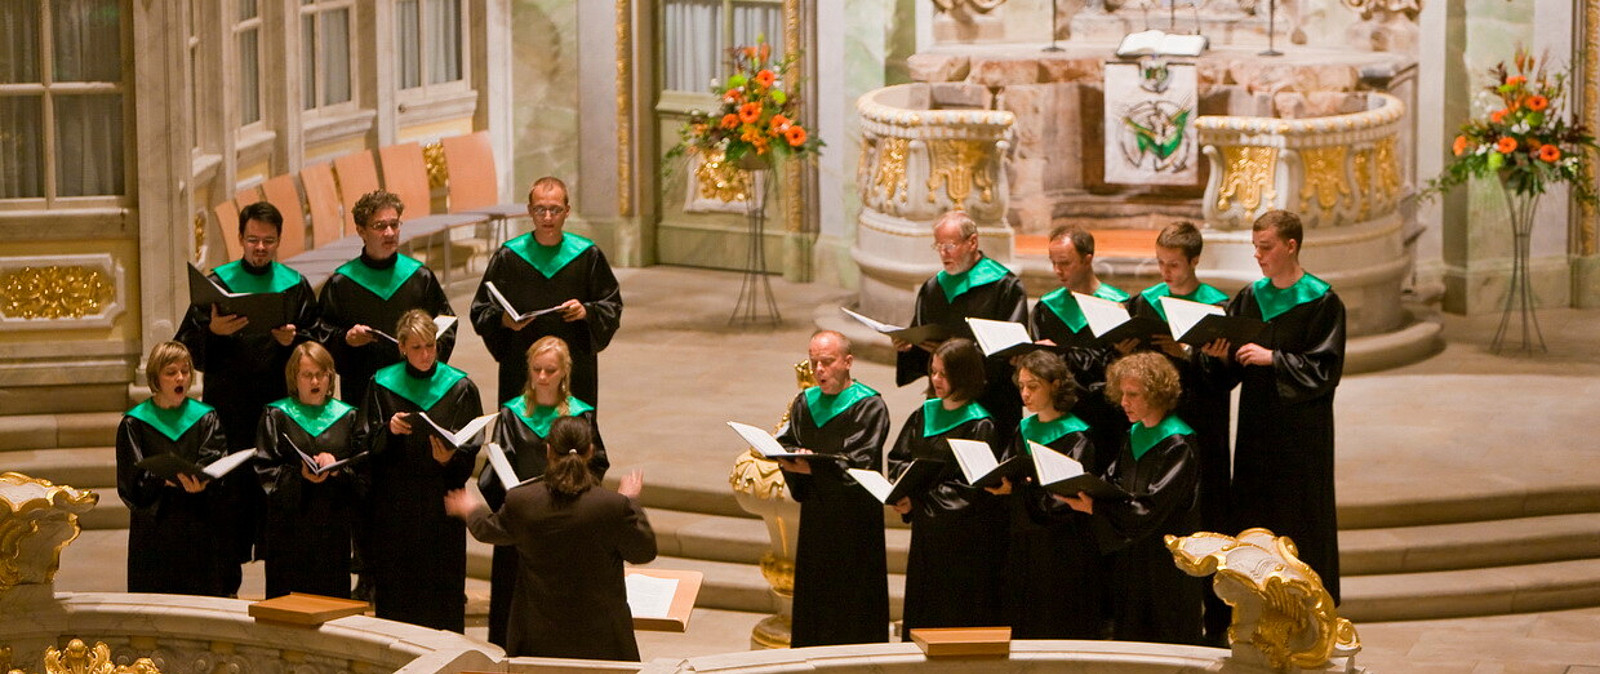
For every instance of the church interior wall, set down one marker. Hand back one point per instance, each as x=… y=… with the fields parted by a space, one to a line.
x=545 y=86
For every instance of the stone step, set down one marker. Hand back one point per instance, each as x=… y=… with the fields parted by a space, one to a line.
x=1469 y=545
x=80 y=467
x=1472 y=592
x=51 y=431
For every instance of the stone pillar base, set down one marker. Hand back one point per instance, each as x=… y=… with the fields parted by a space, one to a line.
x=1586 y=282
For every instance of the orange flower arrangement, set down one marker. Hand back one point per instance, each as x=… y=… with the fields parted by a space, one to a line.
x=1527 y=142
x=757 y=116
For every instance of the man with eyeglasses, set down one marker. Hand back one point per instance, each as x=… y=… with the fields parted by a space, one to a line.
x=244 y=364
x=970 y=285
x=549 y=268
x=364 y=299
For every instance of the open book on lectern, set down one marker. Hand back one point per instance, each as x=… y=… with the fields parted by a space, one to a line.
x=916 y=479
x=916 y=334
x=979 y=465
x=168 y=466
x=265 y=311
x=768 y=446
x=1063 y=475
x=1161 y=43
x=452 y=439
x=1200 y=324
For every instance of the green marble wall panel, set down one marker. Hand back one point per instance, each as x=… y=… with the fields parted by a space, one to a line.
x=545 y=97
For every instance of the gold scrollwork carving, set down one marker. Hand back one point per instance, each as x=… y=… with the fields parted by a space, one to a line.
x=54 y=292
x=721 y=180
x=959 y=165
x=1248 y=173
x=199 y=235
x=1388 y=167
x=890 y=176
x=16 y=527
x=1361 y=162
x=433 y=158
x=1325 y=177
x=1589 y=223
x=779 y=572
x=624 y=29
x=79 y=658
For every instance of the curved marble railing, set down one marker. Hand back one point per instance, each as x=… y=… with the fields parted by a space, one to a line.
x=1341 y=174
x=917 y=162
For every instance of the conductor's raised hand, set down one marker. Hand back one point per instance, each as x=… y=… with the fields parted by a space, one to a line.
x=1218 y=348
x=902 y=506
x=441 y=452
x=358 y=335
x=573 y=310
x=398 y=424
x=632 y=484
x=460 y=503
x=284 y=334
x=193 y=484
x=223 y=325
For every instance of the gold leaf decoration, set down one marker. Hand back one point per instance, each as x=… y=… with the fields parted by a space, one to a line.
x=1325 y=177
x=1247 y=176
x=722 y=180
x=54 y=292
x=433 y=157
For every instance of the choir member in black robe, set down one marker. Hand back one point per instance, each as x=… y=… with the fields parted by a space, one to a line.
x=1283 y=454
x=364 y=298
x=174 y=541
x=520 y=432
x=543 y=269
x=1205 y=406
x=310 y=516
x=841 y=590
x=1057 y=319
x=958 y=532
x=243 y=365
x=418 y=554
x=1152 y=599
x=571 y=538
x=1053 y=578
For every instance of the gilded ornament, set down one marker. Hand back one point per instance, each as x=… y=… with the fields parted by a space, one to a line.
x=1280 y=607
x=37 y=520
x=624 y=21
x=1325 y=177
x=718 y=179
x=1388 y=167
x=1589 y=222
x=959 y=165
x=433 y=158
x=1361 y=163
x=54 y=292
x=78 y=658
x=1248 y=173
x=199 y=235
x=779 y=572
x=890 y=176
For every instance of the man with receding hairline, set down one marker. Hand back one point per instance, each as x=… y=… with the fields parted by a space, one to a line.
x=841 y=592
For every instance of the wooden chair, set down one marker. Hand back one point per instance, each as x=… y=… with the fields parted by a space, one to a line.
x=358 y=175
x=405 y=173
x=228 y=225
x=282 y=192
x=322 y=199
x=474 y=183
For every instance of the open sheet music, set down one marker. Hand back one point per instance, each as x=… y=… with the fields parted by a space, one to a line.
x=452 y=439
x=916 y=478
x=265 y=311
x=978 y=464
x=501 y=465
x=311 y=462
x=1002 y=339
x=768 y=446
x=169 y=466
x=1111 y=323
x=440 y=324
x=1063 y=475
x=918 y=334
x=1200 y=324
x=516 y=316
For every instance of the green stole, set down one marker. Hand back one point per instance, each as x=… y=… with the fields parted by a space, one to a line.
x=313 y=419
x=1205 y=294
x=540 y=418
x=382 y=282
x=1141 y=438
x=548 y=260
x=1046 y=432
x=984 y=272
x=824 y=407
x=1274 y=301
x=174 y=422
x=277 y=279
x=424 y=392
x=1061 y=303
x=936 y=419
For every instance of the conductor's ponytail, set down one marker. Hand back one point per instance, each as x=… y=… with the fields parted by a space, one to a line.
x=568 y=449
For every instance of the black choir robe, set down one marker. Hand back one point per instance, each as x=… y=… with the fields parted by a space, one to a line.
x=987 y=290
x=1058 y=318
x=308 y=525
x=520 y=432
x=1053 y=572
x=418 y=554
x=1152 y=599
x=841 y=590
x=177 y=542
x=375 y=293
x=1283 y=454
x=571 y=600
x=958 y=532
x=244 y=372
x=531 y=277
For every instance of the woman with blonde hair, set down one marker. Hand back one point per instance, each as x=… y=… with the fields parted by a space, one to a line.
x=521 y=432
x=571 y=539
x=174 y=541
x=310 y=515
x=418 y=554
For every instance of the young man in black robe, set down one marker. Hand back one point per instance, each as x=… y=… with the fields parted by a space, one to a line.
x=243 y=364
x=1057 y=319
x=367 y=295
x=841 y=590
x=543 y=269
x=417 y=554
x=1283 y=454
x=971 y=285
x=1205 y=406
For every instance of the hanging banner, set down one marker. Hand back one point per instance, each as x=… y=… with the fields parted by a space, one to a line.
x=1150 y=111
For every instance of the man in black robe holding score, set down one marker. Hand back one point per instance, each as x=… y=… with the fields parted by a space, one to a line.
x=367 y=295
x=841 y=591
x=1283 y=454
x=545 y=269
